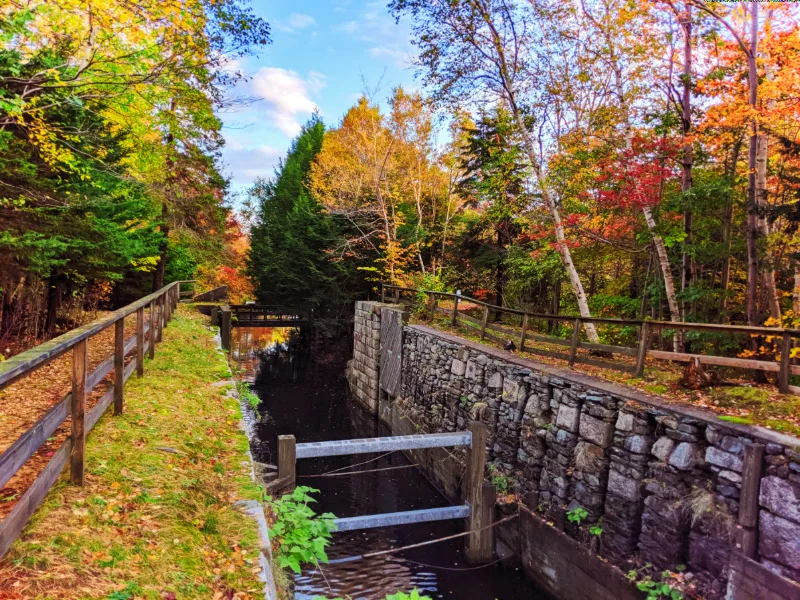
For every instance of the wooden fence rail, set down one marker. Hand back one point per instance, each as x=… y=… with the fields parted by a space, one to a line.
x=161 y=305
x=784 y=338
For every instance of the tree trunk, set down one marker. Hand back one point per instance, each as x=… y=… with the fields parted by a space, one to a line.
x=768 y=274
x=161 y=267
x=53 y=297
x=8 y=313
x=558 y=226
x=669 y=285
x=752 y=206
x=796 y=292
x=687 y=155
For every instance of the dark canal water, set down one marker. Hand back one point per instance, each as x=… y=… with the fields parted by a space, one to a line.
x=303 y=391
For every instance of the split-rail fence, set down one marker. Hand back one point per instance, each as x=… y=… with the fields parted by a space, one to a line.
x=161 y=305
x=486 y=328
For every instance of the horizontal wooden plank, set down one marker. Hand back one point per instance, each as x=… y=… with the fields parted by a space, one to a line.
x=409 y=517
x=26 y=362
x=29 y=442
x=721 y=361
x=93 y=416
x=605 y=364
x=512 y=335
x=548 y=353
x=609 y=348
x=548 y=339
x=383 y=444
x=15 y=521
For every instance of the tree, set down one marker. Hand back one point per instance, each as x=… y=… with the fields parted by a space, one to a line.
x=494 y=182
x=474 y=48
x=290 y=258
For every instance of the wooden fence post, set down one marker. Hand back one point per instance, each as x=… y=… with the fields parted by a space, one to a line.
x=151 y=350
x=785 y=367
x=140 y=341
x=432 y=305
x=383 y=293
x=79 y=359
x=644 y=346
x=287 y=458
x=524 y=332
x=484 y=320
x=119 y=364
x=454 y=318
x=576 y=340
x=479 y=544
x=159 y=318
x=747 y=531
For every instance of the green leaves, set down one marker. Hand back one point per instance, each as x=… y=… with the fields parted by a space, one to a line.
x=301 y=534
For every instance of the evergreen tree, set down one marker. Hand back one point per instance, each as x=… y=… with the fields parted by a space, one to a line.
x=288 y=261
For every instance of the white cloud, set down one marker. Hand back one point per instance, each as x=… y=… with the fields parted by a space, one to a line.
x=296 y=22
x=245 y=163
x=389 y=40
x=301 y=21
x=402 y=58
x=287 y=96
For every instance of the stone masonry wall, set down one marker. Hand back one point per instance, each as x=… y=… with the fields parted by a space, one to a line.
x=663 y=482
x=363 y=370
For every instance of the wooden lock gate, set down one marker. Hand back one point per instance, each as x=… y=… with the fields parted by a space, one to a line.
x=479 y=495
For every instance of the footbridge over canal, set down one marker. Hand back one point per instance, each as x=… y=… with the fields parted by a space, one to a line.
x=256 y=315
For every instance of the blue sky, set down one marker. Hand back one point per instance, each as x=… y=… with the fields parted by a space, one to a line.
x=321 y=55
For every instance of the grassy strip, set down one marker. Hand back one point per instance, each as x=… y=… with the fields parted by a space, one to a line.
x=155 y=518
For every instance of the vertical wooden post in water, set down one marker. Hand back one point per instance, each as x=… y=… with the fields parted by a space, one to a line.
x=576 y=340
x=140 y=342
x=151 y=348
x=287 y=458
x=79 y=354
x=644 y=345
x=524 y=332
x=747 y=531
x=225 y=328
x=119 y=364
x=480 y=541
x=484 y=320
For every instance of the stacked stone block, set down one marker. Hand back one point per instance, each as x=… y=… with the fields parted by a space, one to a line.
x=779 y=518
x=664 y=485
x=363 y=371
x=630 y=454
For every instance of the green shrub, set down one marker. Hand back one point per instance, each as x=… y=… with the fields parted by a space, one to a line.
x=301 y=534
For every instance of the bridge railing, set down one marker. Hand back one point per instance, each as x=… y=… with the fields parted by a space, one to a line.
x=630 y=359
x=160 y=306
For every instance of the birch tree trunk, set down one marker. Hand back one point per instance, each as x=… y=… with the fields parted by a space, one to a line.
x=752 y=206
x=558 y=226
x=669 y=284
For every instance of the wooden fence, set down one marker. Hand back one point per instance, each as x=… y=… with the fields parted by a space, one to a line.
x=161 y=305
x=628 y=358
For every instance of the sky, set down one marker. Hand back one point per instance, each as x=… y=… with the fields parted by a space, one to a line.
x=324 y=55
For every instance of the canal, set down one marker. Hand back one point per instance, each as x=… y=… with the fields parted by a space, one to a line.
x=299 y=377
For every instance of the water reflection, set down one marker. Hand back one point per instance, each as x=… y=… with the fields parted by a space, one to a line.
x=299 y=378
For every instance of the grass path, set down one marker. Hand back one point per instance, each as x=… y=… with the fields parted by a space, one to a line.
x=155 y=518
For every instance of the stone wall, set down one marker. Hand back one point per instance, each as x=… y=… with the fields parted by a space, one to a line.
x=363 y=370
x=663 y=482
